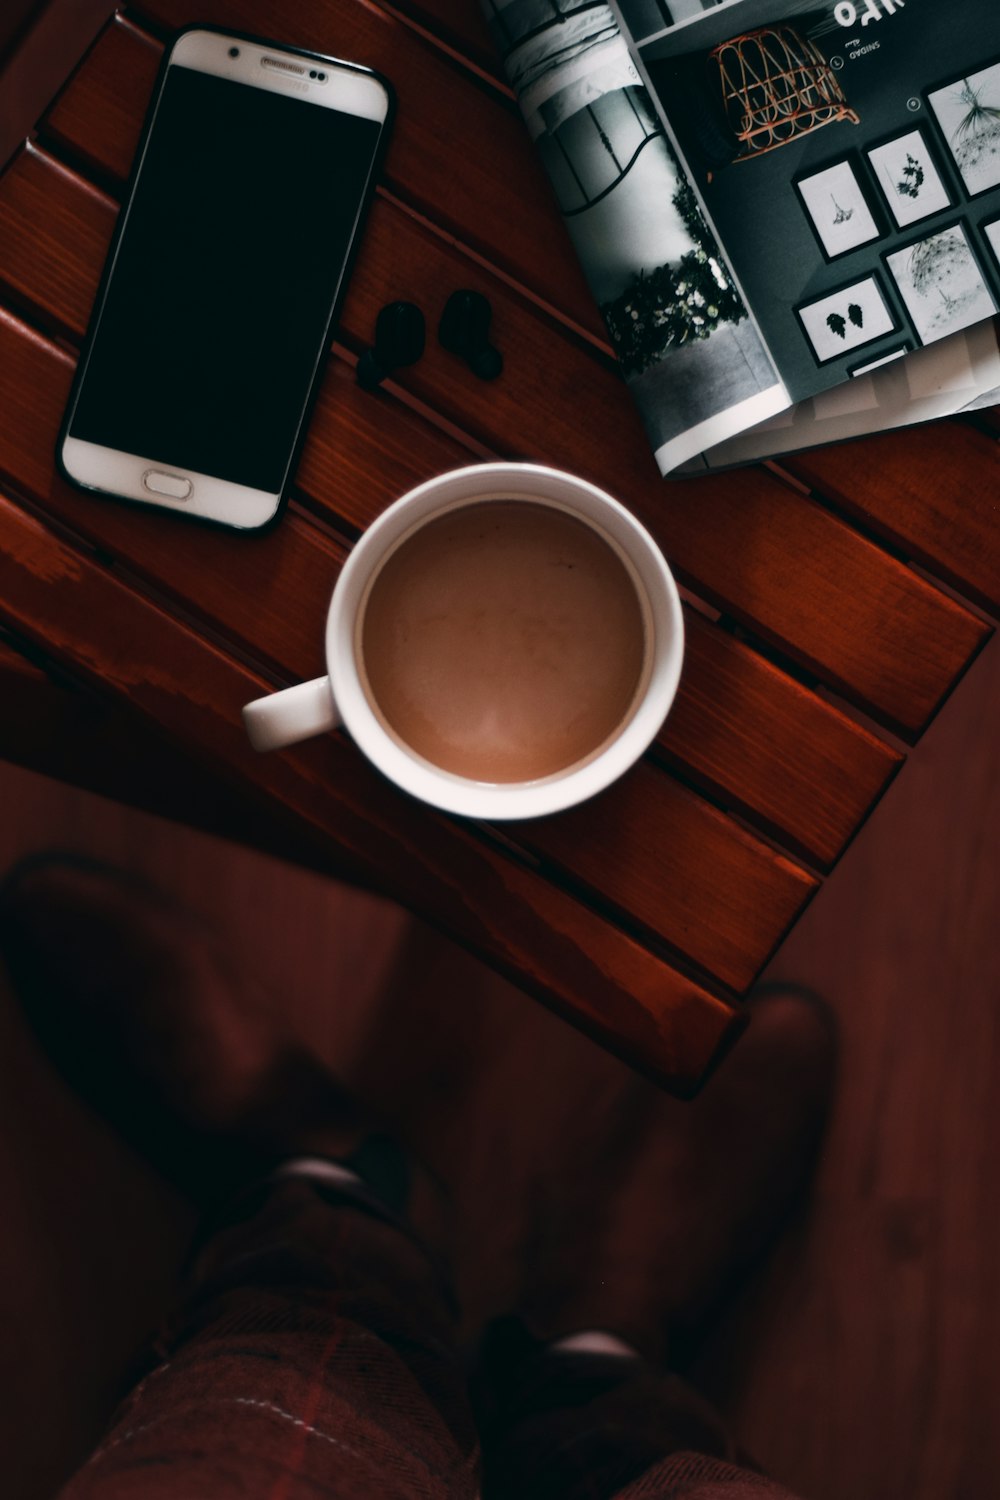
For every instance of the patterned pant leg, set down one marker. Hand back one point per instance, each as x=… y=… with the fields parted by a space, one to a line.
x=313 y=1357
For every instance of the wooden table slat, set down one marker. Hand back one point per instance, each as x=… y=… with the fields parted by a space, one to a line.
x=55 y=228
x=457 y=24
x=767 y=746
x=771 y=749
x=860 y=620
x=729 y=939
x=62 y=730
x=19 y=675
x=108 y=95
x=627 y=841
x=586 y=968
x=933 y=490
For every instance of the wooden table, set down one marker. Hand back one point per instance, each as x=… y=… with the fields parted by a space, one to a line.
x=825 y=627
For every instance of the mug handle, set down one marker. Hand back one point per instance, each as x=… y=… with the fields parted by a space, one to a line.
x=296 y=713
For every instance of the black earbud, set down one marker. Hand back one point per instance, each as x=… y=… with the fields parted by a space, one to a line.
x=399 y=341
x=464 y=330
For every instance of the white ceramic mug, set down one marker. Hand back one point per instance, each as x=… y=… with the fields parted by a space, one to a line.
x=312 y=707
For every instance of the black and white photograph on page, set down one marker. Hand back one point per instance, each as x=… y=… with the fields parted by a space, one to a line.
x=684 y=340
x=941 y=284
x=836 y=207
x=847 y=319
x=911 y=184
x=968 y=112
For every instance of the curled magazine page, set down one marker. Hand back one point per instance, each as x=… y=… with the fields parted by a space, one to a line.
x=688 y=348
x=959 y=373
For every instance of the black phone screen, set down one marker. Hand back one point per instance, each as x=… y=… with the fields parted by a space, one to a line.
x=226 y=273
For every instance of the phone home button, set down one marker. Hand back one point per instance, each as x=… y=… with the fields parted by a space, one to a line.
x=175 y=486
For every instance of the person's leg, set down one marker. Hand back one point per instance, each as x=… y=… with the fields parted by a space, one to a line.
x=313 y=1351
x=135 y=1006
x=312 y=1356
x=580 y=1402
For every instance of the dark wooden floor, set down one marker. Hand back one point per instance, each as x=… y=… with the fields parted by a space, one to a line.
x=861 y=1363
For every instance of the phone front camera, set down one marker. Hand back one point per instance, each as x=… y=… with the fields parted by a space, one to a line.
x=234 y=52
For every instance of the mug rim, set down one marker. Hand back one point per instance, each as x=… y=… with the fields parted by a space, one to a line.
x=490 y=800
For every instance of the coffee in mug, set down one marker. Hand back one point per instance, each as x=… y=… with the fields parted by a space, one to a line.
x=503 y=642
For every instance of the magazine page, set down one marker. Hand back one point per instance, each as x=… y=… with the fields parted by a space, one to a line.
x=690 y=352
x=848 y=154
x=956 y=374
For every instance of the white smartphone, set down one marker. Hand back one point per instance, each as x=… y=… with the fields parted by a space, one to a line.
x=221 y=287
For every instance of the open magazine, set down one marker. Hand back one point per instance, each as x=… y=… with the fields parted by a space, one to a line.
x=788 y=211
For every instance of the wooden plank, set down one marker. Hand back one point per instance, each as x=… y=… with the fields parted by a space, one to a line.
x=933 y=490
x=191 y=691
x=17 y=672
x=53 y=224
x=110 y=91
x=76 y=736
x=633 y=842
x=455 y=24
x=788 y=569
x=770 y=749
x=36 y=58
x=764 y=745
x=246 y=585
